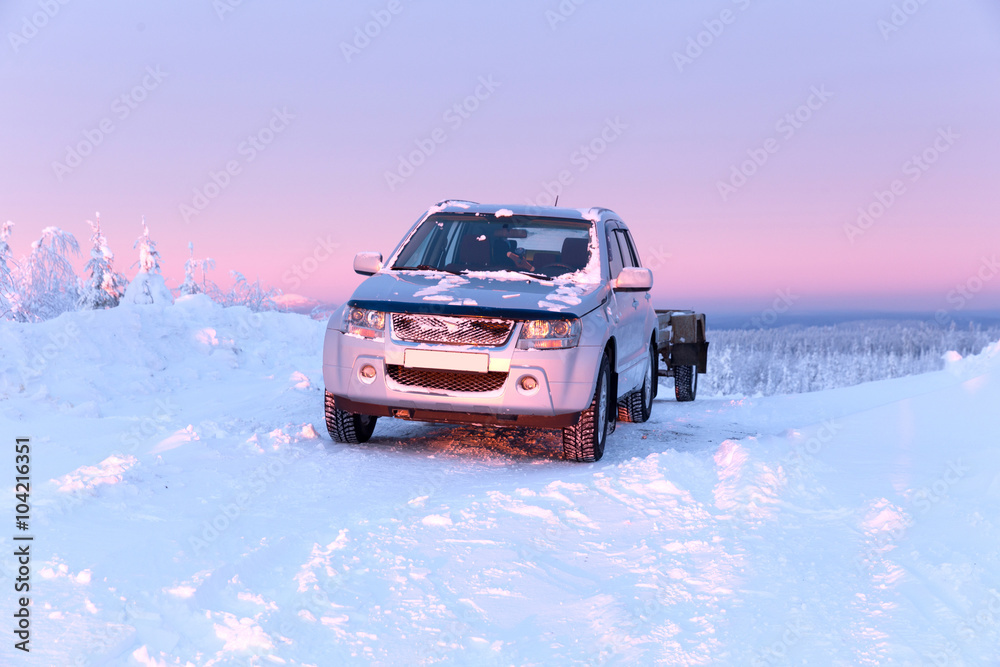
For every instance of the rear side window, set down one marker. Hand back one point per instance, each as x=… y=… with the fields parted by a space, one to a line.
x=627 y=242
x=628 y=258
x=616 y=261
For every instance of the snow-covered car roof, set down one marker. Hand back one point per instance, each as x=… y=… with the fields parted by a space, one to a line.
x=595 y=214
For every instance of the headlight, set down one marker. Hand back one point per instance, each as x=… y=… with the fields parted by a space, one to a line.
x=365 y=323
x=549 y=334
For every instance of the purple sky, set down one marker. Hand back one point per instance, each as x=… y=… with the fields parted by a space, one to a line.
x=824 y=105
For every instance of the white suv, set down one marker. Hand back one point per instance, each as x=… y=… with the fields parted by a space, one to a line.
x=514 y=315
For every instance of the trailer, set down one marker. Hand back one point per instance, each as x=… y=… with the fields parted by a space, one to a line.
x=681 y=344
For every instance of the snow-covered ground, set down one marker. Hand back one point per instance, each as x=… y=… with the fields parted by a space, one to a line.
x=189 y=508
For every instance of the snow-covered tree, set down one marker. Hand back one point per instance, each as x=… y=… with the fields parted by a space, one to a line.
x=47 y=283
x=8 y=295
x=105 y=286
x=149 y=256
x=252 y=295
x=148 y=286
x=796 y=359
x=190 y=284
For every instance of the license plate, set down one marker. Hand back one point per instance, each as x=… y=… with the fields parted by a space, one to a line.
x=470 y=362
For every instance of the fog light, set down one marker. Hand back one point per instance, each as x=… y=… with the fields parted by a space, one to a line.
x=367 y=374
x=529 y=383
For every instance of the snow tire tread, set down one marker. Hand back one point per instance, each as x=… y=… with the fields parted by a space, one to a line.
x=578 y=441
x=684 y=383
x=346 y=427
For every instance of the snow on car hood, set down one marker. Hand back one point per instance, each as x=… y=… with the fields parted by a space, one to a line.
x=498 y=294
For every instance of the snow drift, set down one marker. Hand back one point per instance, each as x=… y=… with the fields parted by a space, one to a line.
x=189 y=509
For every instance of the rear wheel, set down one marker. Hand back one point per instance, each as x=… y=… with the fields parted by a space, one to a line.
x=637 y=406
x=347 y=427
x=685 y=383
x=585 y=441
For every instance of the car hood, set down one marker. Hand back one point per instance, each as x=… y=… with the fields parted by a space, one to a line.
x=496 y=294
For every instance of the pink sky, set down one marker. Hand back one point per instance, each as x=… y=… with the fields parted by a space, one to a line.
x=532 y=90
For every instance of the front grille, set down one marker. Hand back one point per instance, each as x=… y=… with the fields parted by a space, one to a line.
x=448 y=380
x=478 y=331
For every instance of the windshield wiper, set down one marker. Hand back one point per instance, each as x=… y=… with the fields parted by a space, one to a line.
x=424 y=267
x=540 y=276
x=462 y=272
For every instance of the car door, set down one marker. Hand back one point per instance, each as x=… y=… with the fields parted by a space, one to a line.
x=630 y=317
x=616 y=263
x=642 y=303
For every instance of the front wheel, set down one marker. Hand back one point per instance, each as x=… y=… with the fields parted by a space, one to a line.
x=685 y=383
x=347 y=427
x=585 y=441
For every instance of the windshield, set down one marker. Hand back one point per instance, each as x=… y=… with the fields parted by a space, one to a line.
x=544 y=247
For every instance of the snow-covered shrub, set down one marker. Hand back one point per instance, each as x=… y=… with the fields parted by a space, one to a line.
x=47 y=284
x=797 y=359
x=105 y=286
x=252 y=295
x=8 y=294
x=148 y=286
x=190 y=284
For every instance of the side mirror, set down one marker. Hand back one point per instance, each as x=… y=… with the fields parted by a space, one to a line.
x=368 y=263
x=634 y=279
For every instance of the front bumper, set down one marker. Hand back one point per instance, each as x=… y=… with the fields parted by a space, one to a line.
x=556 y=401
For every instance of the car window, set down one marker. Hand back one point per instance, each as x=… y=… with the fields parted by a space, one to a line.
x=623 y=249
x=615 y=260
x=625 y=239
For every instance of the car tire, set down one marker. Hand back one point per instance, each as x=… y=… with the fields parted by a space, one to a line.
x=347 y=427
x=585 y=441
x=637 y=406
x=685 y=383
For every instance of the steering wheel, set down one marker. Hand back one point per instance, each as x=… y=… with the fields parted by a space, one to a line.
x=547 y=269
